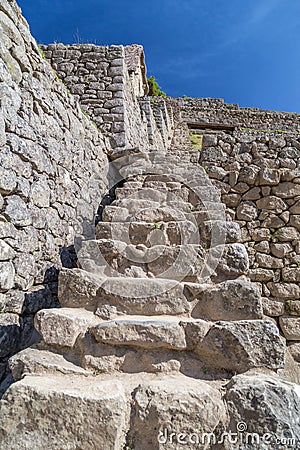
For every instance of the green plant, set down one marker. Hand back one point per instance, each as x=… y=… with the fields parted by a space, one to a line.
x=276 y=233
x=205 y=370
x=155 y=226
x=88 y=118
x=196 y=141
x=41 y=52
x=154 y=88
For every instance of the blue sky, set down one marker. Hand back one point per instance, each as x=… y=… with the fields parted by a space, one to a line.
x=245 y=51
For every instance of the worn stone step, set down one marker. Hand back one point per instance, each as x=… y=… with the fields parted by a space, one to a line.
x=140 y=344
x=242 y=345
x=109 y=297
x=130 y=210
x=115 y=258
x=211 y=232
x=142 y=331
x=164 y=193
x=36 y=361
x=189 y=262
x=230 y=300
x=61 y=326
x=85 y=412
x=149 y=233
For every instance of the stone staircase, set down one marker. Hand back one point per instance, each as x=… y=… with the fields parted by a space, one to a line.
x=153 y=324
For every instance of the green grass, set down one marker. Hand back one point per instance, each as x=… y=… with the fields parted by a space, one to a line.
x=276 y=233
x=88 y=118
x=269 y=131
x=41 y=52
x=196 y=141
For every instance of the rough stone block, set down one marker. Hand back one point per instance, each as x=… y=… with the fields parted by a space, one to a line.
x=286 y=190
x=290 y=327
x=253 y=397
x=232 y=262
x=35 y=406
x=154 y=332
x=7 y=275
x=242 y=345
x=176 y=405
x=63 y=325
x=35 y=361
x=284 y=290
x=230 y=300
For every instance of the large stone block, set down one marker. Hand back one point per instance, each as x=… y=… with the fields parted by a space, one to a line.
x=267 y=408
x=67 y=412
x=284 y=290
x=141 y=296
x=232 y=260
x=63 y=325
x=242 y=345
x=154 y=332
x=36 y=361
x=286 y=190
x=230 y=300
x=109 y=297
x=290 y=327
x=172 y=412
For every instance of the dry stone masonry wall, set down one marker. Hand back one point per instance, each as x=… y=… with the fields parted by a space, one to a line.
x=52 y=173
x=215 y=110
x=109 y=83
x=257 y=170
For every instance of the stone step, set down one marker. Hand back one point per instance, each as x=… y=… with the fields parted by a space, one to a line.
x=62 y=326
x=148 y=332
x=112 y=344
x=165 y=193
x=189 y=262
x=85 y=412
x=116 y=258
x=135 y=408
x=130 y=210
x=149 y=233
x=168 y=233
x=36 y=361
x=140 y=344
x=110 y=297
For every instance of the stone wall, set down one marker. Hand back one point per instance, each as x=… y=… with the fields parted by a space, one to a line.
x=52 y=176
x=258 y=174
x=109 y=82
x=215 y=110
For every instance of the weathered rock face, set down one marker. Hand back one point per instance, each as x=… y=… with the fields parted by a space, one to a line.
x=56 y=412
x=160 y=410
x=53 y=172
x=266 y=408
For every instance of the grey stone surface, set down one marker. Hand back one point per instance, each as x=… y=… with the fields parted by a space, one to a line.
x=230 y=300
x=160 y=410
x=252 y=397
x=43 y=404
x=242 y=345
